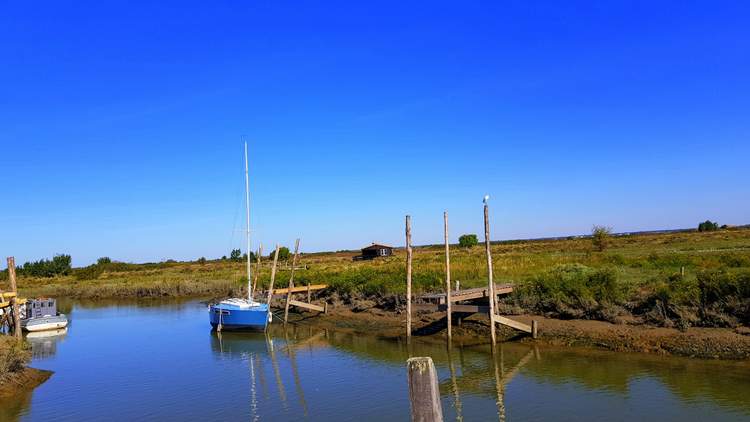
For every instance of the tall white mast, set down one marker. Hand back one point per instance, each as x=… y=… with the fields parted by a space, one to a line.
x=247 y=233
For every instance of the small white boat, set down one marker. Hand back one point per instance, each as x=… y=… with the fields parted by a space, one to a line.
x=41 y=315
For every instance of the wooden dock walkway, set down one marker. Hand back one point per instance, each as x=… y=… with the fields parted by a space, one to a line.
x=466 y=294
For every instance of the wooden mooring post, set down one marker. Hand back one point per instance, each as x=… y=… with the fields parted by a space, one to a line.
x=14 y=300
x=408 y=277
x=257 y=268
x=491 y=287
x=291 y=282
x=424 y=394
x=448 y=312
x=273 y=278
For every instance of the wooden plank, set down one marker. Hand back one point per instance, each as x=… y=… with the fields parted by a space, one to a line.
x=299 y=289
x=434 y=307
x=468 y=294
x=20 y=301
x=511 y=323
x=306 y=305
x=424 y=393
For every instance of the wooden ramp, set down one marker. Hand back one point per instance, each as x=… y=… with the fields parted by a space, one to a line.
x=436 y=302
x=467 y=294
x=281 y=293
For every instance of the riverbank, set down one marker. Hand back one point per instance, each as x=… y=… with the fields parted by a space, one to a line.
x=15 y=376
x=704 y=343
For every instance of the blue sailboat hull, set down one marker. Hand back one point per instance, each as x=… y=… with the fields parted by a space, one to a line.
x=236 y=318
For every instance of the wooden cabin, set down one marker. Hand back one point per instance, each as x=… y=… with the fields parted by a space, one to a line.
x=375 y=250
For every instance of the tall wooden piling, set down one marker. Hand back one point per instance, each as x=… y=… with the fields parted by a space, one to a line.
x=424 y=394
x=257 y=268
x=291 y=282
x=273 y=278
x=491 y=283
x=408 y=277
x=14 y=300
x=449 y=313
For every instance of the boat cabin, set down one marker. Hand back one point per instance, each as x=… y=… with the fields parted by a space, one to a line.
x=38 y=308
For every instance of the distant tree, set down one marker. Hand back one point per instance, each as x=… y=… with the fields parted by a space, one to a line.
x=708 y=226
x=235 y=255
x=468 y=240
x=59 y=265
x=283 y=253
x=202 y=260
x=223 y=257
x=600 y=237
x=103 y=261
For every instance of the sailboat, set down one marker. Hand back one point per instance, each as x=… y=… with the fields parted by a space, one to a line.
x=241 y=313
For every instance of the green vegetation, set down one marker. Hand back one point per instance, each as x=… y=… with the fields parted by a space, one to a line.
x=468 y=240
x=57 y=266
x=600 y=236
x=14 y=356
x=637 y=277
x=235 y=255
x=284 y=253
x=708 y=226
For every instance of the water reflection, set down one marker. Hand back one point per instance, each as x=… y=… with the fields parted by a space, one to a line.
x=471 y=373
x=342 y=375
x=44 y=343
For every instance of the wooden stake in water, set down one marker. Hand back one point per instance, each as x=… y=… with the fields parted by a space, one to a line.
x=424 y=394
x=408 y=277
x=273 y=278
x=447 y=275
x=14 y=300
x=491 y=283
x=291 y=282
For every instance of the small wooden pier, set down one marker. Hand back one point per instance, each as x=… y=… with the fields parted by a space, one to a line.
x=463 y=301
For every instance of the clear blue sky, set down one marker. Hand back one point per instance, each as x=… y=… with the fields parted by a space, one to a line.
x=120 y=122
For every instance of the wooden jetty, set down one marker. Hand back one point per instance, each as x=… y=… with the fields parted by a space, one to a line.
x=463 y=301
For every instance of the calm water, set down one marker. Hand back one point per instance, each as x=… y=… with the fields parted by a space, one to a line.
x=159 y=361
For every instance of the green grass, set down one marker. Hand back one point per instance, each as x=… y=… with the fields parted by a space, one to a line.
x=564 y=278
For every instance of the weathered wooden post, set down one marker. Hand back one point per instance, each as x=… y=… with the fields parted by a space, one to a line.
x=408 y=277
x=491 y=283
x=14 y=299
x=682 y=271
x=309 y=296
x=273 y=278
x=424 y=394
x=447 y=275
x=534 y=328
x=291 y=282
x=257 y=267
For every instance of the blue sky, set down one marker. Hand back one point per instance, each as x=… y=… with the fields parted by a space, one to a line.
x=120 y=122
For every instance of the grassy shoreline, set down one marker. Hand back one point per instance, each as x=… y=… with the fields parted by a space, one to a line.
x=636 y=280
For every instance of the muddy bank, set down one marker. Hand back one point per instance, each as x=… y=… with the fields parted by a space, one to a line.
x=707 y=343
x=22 y=381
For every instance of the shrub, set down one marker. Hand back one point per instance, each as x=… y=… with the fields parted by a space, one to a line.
x=202 y=260
x=284 y=253
x=708 y=226
x=468 y=240
x=235 y=255
x=600 y=237
x=574 y=290
x=13 y=356
x=103 y=260
x=92 y=272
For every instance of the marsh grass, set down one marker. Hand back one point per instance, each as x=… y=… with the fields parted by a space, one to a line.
x=564 y=277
